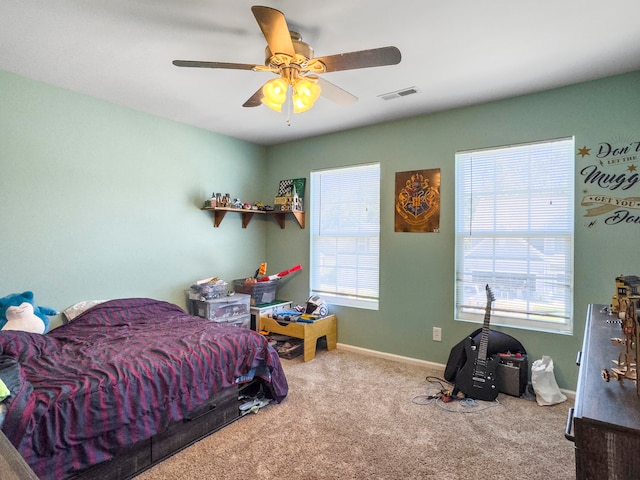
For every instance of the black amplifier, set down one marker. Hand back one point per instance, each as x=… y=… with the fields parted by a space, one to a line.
x=512 y=373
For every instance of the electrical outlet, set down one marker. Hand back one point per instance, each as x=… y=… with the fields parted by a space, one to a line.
x=437 y=334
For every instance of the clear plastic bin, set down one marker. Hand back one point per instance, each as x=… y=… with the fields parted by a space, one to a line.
x=208 y=291
x=261 y=292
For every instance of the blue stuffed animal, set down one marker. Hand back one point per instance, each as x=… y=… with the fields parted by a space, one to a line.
x=16 y=313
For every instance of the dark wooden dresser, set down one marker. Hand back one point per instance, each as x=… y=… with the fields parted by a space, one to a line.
x=606 y=417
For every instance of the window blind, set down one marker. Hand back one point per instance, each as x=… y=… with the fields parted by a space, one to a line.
x=345 y=235
x=514 y=230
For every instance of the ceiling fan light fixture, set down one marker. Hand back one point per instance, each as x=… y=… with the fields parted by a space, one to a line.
x=287 y=56
x=275 y=94
x=305 y=94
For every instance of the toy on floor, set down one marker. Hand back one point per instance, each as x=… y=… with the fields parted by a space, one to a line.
x=18 y=312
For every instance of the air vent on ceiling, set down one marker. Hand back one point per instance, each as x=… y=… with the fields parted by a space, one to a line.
x=399 y=93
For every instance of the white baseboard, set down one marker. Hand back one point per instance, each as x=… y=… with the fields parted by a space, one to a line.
x=389 y=356
x=415 y=361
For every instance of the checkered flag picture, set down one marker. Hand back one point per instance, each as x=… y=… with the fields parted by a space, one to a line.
x=285 y=188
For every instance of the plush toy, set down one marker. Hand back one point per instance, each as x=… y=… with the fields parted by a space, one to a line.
x=23 y=319
x=18 y=312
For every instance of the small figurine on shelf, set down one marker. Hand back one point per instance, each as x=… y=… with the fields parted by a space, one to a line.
x=211 y=202
x=625 y=365
x=296 y=203
x=625 y=285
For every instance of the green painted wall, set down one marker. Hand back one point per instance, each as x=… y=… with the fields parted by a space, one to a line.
x=417 y=270
x=99 y=201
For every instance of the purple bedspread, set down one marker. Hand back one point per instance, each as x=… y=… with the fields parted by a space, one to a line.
x=120 y=373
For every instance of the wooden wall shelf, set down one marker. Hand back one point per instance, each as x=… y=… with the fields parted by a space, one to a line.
x=280 y=216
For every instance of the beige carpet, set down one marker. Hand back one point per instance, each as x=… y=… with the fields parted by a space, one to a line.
x=351 y=416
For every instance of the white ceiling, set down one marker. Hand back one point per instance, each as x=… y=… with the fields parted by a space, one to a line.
x=455 y=53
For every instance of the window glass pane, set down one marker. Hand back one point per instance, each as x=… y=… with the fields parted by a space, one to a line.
x=514 y=231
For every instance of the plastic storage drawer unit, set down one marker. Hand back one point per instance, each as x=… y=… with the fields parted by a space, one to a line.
x=243 y=321
x=233 y=309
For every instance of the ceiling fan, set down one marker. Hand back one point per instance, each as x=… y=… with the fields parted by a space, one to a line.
x=298 y=71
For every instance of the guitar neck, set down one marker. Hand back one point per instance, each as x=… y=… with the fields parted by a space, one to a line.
x=484 y=339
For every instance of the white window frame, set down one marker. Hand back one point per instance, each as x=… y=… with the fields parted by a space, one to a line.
x=345 y=235
x=514 y=231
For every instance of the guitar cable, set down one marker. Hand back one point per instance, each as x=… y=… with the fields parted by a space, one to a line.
x=445 y=395
x=443 y=392
x=469 y=405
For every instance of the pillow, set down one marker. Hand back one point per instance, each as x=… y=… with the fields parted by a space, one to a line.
x=76 y=309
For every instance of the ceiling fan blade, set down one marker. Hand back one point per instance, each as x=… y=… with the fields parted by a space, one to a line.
x=334 y=93
x=375 y=57
x=275 y=30
x=255 y=100
x=195 y=63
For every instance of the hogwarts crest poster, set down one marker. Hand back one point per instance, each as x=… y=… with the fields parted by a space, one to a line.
x=417 y=201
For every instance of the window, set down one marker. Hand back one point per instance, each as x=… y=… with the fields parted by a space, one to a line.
x=345 y=235
x=514 y=232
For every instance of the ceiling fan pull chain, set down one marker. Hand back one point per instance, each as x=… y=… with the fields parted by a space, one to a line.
x=289 y=104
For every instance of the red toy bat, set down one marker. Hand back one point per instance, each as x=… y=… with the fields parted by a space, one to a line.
x=280 y=275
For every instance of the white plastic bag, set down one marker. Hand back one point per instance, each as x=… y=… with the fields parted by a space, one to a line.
x=544 y=382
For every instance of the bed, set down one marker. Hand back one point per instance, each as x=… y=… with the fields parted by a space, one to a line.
x=126 y=384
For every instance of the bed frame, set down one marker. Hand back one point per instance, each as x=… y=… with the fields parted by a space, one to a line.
x=12 y=465
x=221 y=411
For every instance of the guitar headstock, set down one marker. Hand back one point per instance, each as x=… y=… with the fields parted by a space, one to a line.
x=490 y=296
